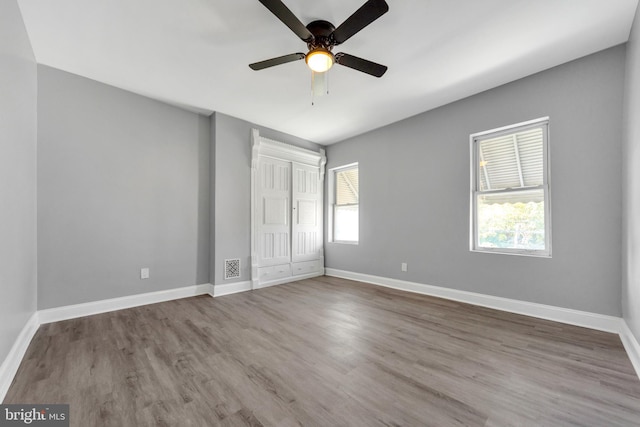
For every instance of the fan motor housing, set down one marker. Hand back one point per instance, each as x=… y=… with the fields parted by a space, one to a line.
x=321 y=31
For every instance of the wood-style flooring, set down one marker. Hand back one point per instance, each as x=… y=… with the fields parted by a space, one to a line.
x=327 y=352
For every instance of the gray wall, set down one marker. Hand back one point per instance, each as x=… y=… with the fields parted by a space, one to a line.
x=123 y=183
x=232 y=199
x=414 y=191
x=18 y=100
x=631 y=185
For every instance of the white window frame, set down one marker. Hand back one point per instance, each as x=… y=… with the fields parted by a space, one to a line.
x=332 y=204
x=475 y=188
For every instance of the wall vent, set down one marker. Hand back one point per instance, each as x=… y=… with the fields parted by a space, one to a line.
x=231 y=268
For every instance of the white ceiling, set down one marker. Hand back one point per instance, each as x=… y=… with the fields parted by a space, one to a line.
x=195 y=53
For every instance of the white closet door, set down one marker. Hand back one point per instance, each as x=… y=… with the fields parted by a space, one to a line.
x=306 y=213
x=274 y=195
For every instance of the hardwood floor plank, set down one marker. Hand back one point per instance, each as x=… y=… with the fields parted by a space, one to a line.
x=327 y=352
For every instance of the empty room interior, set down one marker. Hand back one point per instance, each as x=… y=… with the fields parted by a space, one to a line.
x=182 y=240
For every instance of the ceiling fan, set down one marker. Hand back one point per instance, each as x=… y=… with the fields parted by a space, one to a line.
x=321 y=37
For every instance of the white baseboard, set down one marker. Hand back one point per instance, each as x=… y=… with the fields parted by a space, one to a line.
x=96 y=307
x=11 y=363
x=230 y=288
x=569 y=316
x=631 y=345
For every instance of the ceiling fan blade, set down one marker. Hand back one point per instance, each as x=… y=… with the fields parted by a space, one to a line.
x=276 y=61
x=368 y=12
x=360 y=64
x=287 y=17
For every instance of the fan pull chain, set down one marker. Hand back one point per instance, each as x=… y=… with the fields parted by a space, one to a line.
x=313 y=87
x=326 y=83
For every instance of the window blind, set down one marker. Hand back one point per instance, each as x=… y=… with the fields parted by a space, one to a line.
x=511 y=161
x=347 y=187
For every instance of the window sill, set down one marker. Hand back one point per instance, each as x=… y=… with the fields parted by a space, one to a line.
x=513 y=252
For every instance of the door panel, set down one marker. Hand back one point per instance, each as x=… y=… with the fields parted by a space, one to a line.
x=274 y=193
x=275 y=210
x=307 y=213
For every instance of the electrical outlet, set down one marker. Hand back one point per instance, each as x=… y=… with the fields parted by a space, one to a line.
x=144 y=273
x=403 y=266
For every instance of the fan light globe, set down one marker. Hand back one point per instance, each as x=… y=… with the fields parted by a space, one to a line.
x=319 y=60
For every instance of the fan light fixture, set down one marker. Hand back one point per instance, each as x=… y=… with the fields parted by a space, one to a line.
x=320 y=59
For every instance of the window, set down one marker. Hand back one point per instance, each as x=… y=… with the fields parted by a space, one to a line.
x=344 y=198
x=510 y=190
